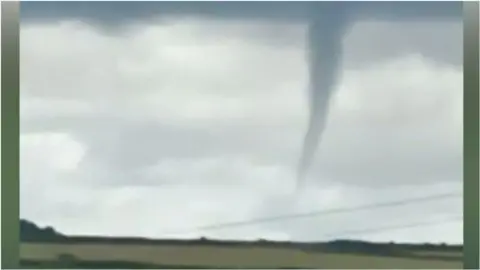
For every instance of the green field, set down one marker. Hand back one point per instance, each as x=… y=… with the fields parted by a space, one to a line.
x=211 y=256
x=46 y=248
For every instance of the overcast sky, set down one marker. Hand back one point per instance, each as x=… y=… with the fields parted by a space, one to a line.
x=155 y=127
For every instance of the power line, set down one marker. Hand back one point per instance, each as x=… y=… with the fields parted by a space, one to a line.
x=395 y=227
x=329 y=211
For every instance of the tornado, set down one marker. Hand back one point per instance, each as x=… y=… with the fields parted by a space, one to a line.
x=324 y=50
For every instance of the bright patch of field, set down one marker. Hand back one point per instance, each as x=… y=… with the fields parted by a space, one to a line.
x=251 y=257
x=446 y=254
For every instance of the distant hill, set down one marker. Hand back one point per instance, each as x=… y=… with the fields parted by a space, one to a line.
x=30 y=232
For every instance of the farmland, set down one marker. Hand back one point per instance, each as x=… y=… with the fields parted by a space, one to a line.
x=45 y=248
x=211 y=256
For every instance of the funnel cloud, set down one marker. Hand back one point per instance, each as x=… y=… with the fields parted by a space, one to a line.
x=328 y=22
x=324 y=53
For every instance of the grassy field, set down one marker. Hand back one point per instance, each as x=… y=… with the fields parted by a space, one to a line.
x=198 y=256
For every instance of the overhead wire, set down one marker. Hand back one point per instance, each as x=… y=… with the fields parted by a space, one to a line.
x=324 y=212
x=331 y=211
x=374 y=230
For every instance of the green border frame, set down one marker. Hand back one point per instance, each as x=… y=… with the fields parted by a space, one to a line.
x=470 y=136
x=11 y=135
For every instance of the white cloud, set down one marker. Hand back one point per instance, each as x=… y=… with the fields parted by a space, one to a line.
x=182 y=124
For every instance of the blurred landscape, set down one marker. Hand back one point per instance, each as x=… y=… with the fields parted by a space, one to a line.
x=137 y=118
x=47 y=248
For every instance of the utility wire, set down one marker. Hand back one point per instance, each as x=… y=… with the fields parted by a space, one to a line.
x=394 y=227
x=329 y=211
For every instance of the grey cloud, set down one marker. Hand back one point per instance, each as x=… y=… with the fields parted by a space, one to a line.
x=136 y=146
x=106 y=12
x=373 y=157
x=377 y=41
